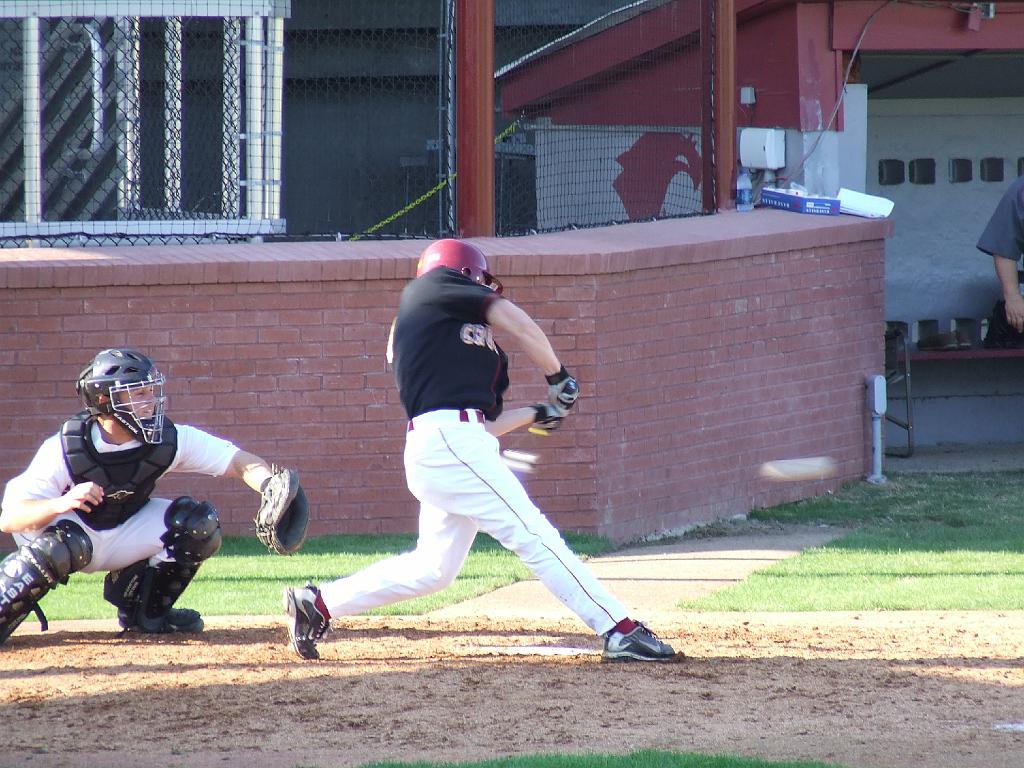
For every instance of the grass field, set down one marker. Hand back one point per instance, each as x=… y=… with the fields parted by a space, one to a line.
x=921 y=542
x=643 y=759
x=243 y=579
x=918 y=542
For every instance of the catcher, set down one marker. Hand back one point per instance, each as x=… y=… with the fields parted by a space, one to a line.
x=85 y=503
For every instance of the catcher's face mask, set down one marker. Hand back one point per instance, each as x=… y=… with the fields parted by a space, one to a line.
x=140 y=406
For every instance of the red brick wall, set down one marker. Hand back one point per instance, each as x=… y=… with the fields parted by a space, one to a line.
x=703 y=346
x=722 y=365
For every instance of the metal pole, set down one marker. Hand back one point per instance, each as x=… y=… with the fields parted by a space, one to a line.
x=709 y=199
x=254 y=117
x=275 y=85
x=474 y=117
x=32 y=118
x=172 y=114
x=725 y=102
x=877 y=404
x=98 y=57
x=231 y=122
x=446 y=120
x=128 y=96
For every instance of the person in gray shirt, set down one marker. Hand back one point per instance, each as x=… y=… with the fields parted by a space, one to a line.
x=1003 y=239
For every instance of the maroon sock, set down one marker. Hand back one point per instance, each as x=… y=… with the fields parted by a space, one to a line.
x=625 y=626
x=321 y=605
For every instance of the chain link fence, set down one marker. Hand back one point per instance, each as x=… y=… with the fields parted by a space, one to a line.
x=365 y=106
x=607 y=117
x=140 y=124
x=142 y=121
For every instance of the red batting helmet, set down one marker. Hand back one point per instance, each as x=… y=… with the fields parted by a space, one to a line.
x=462 y=257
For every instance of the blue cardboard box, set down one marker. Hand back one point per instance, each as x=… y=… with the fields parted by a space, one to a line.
x=792 y=200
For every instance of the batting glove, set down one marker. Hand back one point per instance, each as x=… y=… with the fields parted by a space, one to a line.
x=563 y=390
x=546 y=416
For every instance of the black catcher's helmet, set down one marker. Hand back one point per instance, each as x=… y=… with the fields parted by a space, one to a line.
x=460 y=256
x=125 y=384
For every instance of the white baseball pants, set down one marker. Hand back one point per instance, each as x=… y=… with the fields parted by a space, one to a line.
x=137 y=538
x=453 y=467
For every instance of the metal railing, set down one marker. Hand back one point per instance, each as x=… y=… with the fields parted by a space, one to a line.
x=141 y=121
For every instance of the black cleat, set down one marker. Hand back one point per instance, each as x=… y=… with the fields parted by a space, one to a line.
x=307 y=622
x=639 y=645
x=175 y=620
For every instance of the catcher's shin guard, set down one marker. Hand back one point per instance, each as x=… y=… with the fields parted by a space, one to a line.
x=37 y=567
x=144 y=595
x=123 y=589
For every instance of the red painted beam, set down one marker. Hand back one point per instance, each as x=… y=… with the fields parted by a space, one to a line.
x=569 y=69
x=725 y=103
x=907 y=27
x=474 y=118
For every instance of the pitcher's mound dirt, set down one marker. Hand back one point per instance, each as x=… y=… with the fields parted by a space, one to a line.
x=866 y=690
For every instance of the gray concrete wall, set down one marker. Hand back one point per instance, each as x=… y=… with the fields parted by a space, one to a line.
x=933 y=270
x=960 y=401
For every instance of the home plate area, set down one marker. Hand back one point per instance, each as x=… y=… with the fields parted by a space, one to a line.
x=865 y=689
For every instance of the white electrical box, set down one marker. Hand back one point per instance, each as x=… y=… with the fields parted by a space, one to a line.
x=763 y=148
x=876 y=394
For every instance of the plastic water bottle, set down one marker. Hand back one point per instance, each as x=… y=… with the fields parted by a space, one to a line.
x=744 y=191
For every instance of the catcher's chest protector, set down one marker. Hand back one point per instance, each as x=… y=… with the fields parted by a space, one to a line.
x=128 y=477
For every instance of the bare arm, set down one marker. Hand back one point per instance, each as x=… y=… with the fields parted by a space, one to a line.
x=389 y=352
x=509 y=318
x=33 y=514
x=250 y=468
x=1006 y=271
x=511 y=420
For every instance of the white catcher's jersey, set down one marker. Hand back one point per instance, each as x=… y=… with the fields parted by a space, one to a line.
x=47 y=477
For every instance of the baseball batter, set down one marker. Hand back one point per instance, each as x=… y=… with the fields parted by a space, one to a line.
x=452 y=376
x=84 y=503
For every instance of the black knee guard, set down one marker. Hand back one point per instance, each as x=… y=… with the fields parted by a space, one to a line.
x=37 y=567
x=193 y=530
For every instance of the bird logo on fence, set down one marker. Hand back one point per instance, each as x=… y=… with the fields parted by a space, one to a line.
x=648 y=168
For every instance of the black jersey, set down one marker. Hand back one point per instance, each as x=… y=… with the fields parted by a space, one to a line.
x=444 y=353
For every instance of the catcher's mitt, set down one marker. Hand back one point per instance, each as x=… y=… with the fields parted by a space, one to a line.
x=283 y=514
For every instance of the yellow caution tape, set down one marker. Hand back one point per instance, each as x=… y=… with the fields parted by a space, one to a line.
x=509 y=130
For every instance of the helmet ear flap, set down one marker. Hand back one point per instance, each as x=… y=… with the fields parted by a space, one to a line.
x=80 y=381
x=92 y=399
x=493 y=283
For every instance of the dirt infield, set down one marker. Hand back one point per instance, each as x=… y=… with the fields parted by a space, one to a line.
x=893 y=690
